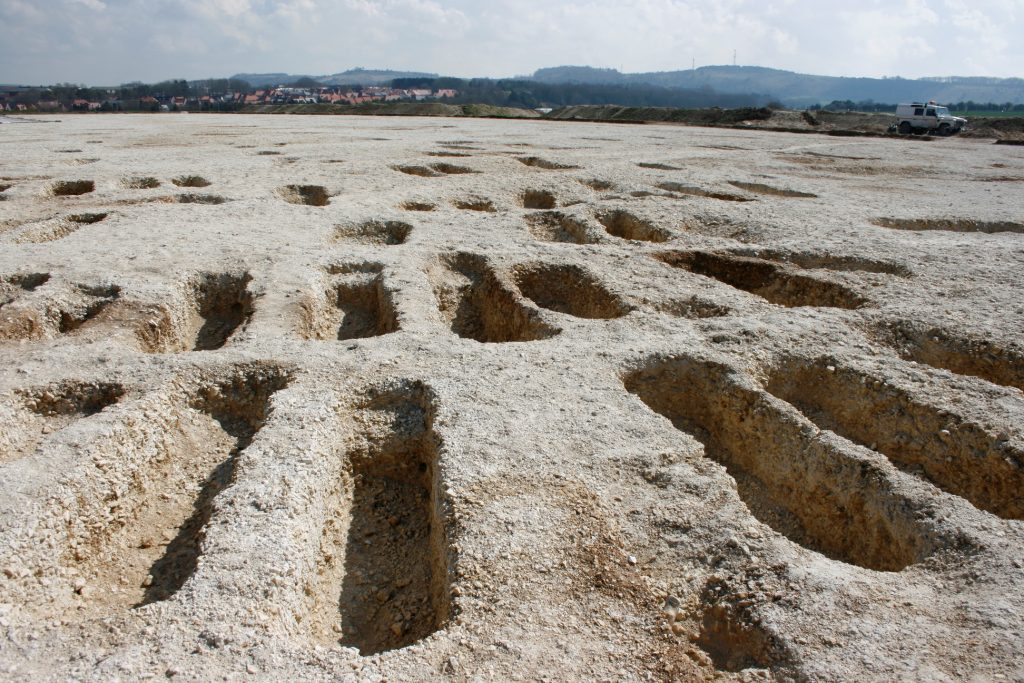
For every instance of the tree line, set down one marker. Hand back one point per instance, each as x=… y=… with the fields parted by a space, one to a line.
x=66 y=93
x=501 y=92
x=521 y=93
x=528 y=94
x=872 y=106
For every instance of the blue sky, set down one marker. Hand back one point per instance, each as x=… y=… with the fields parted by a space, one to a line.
x=115 y=41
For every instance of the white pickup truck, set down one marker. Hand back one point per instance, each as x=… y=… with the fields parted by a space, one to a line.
x=919 y=118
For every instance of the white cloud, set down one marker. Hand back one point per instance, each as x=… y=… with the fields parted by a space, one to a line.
x=119 y=40
x=97 y=5
x=222 y=8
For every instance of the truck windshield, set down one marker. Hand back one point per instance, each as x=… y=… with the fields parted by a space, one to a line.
x=941 y=111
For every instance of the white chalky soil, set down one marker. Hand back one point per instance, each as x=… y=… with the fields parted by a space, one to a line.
x=592 y=402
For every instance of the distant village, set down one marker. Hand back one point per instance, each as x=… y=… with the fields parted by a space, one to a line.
x=44 y=99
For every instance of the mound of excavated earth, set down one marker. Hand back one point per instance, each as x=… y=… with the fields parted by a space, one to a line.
x=342 y=398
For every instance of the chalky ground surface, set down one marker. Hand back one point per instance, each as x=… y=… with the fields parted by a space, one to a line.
x=299 y=398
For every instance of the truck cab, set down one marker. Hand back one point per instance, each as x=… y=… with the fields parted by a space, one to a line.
x=920 y=118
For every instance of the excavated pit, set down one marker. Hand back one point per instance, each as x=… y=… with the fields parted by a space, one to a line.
x=383 y=233
x=694 y=308
x=964 y=355
x=355 y=305
x=417 y=206
x=761 y=188
x=949 y=225
x=220 y=304
x=38 y=412
x=537 y=199
x=421 y=171
x=309 y=195
x=568 y=289
x=475 y=204
x=87 y=218
x=190 y=198
x=767 y=279
x=94 y=301
x=459 y=145
x=953 y=453
x=680 y=188
x=537 y=162
x=71 y=188
x=803 y=486
x=34 y=321
x=475 y=304
x=626 y=226
x=151 y=543
x=827 y=261
x=598 y=184
x=12 y=286
x=658 y=167
x=386 y=567
x=143 y=326
x=555 y=226
x=190 y=181
x=732 y=642
x=53 y=230
x=140 y=183
x=452 y=169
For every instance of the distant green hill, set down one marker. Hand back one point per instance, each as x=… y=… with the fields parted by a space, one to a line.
x=268 y=79
x=371 y=76
x=801 y=90
x=350 y=77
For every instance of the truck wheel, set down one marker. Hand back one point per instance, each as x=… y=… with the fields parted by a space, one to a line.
x=905 y=128
x=945 y=130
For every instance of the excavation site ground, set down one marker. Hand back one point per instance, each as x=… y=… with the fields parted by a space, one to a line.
x=410 y=399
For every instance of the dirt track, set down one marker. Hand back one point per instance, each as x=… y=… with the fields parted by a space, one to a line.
x=298 y=398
